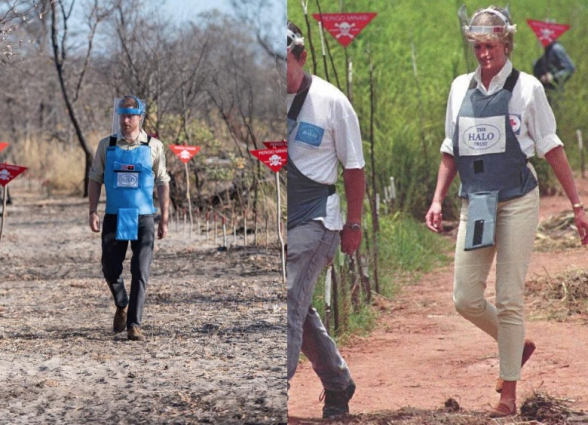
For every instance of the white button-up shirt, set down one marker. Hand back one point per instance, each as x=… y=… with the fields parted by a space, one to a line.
x=530 y=114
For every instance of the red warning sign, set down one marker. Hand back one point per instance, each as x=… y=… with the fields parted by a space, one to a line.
x=9 y=172
x=547 y=32
x=273 y=158
x=274 y=145
x=3 y=145
x=185 y=153
x=344 y=26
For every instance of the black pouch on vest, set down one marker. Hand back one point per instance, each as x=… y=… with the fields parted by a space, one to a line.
x=481 y=226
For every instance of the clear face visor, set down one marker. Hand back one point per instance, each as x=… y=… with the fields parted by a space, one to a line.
x=488 y=30
x=293 y=40
x=118 y=111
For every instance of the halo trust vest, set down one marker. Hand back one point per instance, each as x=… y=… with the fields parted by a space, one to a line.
x=128 y=178
x=487 y=152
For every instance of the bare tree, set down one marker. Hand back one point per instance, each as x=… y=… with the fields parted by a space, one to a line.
x=13 y=15
x=261 y=16
x=61 y=13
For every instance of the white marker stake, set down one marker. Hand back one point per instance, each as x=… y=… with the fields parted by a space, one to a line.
x=188 y=198
x=392 y=189
x=581 y=148
x=328 y=286
x=322 y=38
x=245 y=228
x=350 y=72
x=4 y=192
x=215 y=233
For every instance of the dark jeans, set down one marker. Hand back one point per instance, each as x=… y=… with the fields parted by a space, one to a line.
x=113 y=255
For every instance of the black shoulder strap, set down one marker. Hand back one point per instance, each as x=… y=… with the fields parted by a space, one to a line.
x=473 y=84
x=511 y=81
x=112 y=141
x=300 y=97
x=148 y=140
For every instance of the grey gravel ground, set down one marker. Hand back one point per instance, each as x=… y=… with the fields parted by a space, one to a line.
x=215 y=322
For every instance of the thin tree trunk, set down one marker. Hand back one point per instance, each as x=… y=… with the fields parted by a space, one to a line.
x=58 y=59
x=375 y=219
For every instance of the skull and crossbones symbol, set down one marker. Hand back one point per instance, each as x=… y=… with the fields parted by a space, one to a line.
x=546 y=34
x=275 y=160
x=344 y=29
x=5 y=175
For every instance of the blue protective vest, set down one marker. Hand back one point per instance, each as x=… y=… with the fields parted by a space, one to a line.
x=128 y=178
x=487 y=152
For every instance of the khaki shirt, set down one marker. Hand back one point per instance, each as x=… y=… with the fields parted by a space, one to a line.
x=157 y=157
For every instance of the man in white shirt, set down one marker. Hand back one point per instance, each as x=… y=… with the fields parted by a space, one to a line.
x=324 y=133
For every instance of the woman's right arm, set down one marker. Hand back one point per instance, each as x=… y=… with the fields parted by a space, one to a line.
x=447 y=172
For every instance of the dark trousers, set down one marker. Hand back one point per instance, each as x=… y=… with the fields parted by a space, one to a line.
x=113 y=255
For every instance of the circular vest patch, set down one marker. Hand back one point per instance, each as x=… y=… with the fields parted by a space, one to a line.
x=481 y=136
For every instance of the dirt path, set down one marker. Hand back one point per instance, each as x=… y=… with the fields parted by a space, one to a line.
x=423 y=352
x=215 y=321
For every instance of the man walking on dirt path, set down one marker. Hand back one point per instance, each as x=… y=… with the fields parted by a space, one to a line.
x=323 y=130
x=129 y=163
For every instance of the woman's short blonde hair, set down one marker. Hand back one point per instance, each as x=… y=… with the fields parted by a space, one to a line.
x=492 y=16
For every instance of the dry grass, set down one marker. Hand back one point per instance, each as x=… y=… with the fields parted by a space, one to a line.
x=550 y=410
x=557 y=233
x=59 y=166
x=559 y=297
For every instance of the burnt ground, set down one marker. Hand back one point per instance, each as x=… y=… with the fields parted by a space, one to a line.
x=215 y=322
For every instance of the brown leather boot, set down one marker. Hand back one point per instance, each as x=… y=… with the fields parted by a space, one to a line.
x=135 y=334
x=120 y=320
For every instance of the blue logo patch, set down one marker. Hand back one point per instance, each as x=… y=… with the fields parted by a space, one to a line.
x=310 y=134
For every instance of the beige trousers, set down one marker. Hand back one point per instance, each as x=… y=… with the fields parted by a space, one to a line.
x=516 y=227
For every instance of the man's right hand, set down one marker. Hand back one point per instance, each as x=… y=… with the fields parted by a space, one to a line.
x=94 y=222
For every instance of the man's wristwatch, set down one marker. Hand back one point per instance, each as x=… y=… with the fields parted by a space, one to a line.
x=356 y=227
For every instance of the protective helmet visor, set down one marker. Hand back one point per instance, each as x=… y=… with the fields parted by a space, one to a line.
x=506 y=26
x=136 y=108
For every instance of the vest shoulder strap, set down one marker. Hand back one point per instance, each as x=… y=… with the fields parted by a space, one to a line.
x=148 y=140
x=473 y=84
x=112 y=141
x=512 y=79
